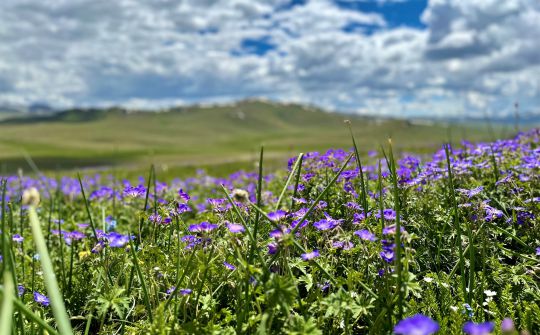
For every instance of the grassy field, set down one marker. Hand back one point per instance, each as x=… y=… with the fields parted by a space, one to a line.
x=220 y=139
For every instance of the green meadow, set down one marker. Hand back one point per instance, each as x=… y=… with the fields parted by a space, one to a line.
x=219 y=139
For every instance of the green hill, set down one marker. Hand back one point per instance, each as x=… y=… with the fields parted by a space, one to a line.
x=188 y=137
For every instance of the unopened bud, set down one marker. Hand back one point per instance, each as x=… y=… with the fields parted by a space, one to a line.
x=240 y=195
x=31 y=197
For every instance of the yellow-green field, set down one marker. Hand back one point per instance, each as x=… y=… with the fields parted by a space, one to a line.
x=220 y=139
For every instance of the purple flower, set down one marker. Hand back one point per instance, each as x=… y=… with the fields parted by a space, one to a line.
x=17 y=238
x=155 y=218
x=345 y=245
x=235 y=228
x=202 y=227
x=183 y=195
x=229 y=266
x=134 y=191
x=41 y=299
x=388 y=214
x=117 y=240
x=471 y=193
x=387 y=255
x=325 y=224
x=272 y=248
x=484 y=328
x=20 y=290
x=538 y=251
x=277 y=215
x=310 y=255
x=365 y=234
x=75 y=235
x=507 y=325
x=416 y=325
x=185 y=291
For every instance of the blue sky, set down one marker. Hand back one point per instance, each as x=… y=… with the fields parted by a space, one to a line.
x=379 y=57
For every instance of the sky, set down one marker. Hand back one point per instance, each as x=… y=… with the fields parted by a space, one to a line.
x=378 y=57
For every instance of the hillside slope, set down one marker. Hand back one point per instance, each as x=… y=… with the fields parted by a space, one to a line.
x=199 y=135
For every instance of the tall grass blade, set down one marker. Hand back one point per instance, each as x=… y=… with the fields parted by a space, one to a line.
x=289 y=179
x=57 y=302
x=6 y=314
x=456 y=221
x=141 y=279
x=363 y=187
x=87 y=206
x=397 y=208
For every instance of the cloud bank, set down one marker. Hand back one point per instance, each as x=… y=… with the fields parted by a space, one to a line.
x=471 y=57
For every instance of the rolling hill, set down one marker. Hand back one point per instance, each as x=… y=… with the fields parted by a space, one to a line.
x=201 y=136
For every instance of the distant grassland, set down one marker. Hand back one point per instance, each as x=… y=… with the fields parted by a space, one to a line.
x=221 y=139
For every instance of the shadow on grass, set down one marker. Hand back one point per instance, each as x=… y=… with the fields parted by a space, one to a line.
x=11 y=165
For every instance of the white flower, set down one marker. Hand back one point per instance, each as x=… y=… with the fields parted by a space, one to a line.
x=490 y=293
x=454 y=308
x=428 y=279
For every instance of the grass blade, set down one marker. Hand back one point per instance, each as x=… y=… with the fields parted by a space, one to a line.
x=296 y=164
x=141 y=278
x=57 y=302
x=457 y=224
x=6 y=316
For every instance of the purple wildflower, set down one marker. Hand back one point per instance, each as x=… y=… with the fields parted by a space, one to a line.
x=229 y=266
x=202 y=227
x=416 y=325
x=310 y=255
x=75 y=235
x=117 y=240
x=471 y=193
x=277 y=215
x=20 y=290
x=235 y=228
x=41 y=299
x=185 y=291
x=507 y=325
x=365 y=234
x=272 y=248
x=183 y=195
x=17 y=238
x=484 y=328
x=134 y=191
x=387 y=255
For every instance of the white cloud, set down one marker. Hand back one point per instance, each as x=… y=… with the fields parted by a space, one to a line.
x=474 y=56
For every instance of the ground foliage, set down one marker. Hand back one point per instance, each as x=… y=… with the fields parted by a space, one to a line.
x=324 y=247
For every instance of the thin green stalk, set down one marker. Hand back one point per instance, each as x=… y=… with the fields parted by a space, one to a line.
x=363 y=188
x=397 y=208
x=141 y=278
x=251 y=234
x=180 y=279
x=296 y=182
x=381 y=205
x=6 y=316
x=57 y=302
x=259 y=202
x=87 y=206
x=456 y=221
x=141 y=221
x=291 y=174
x=205 y=274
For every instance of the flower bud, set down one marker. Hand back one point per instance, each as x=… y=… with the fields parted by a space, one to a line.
x=31 y=197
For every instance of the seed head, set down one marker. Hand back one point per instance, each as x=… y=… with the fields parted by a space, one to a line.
x=31 y=197
x=240 y=195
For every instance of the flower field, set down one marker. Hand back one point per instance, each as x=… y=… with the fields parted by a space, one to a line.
x=413 y=245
